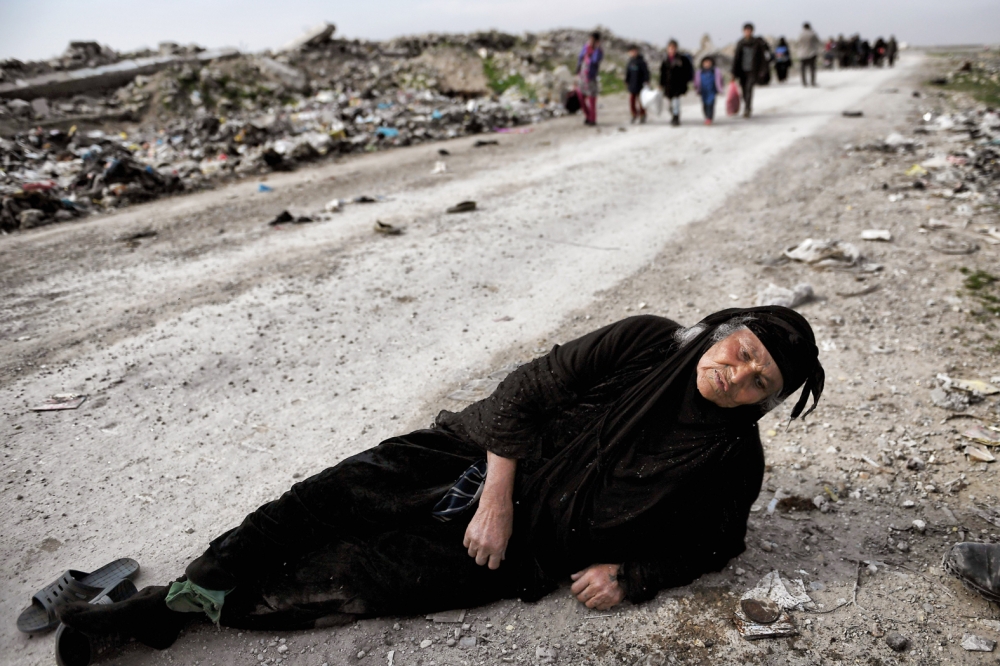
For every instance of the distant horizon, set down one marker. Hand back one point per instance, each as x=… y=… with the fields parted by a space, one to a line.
x=42 y=29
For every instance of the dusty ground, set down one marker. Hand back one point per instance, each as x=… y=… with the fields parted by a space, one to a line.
x=224 y=359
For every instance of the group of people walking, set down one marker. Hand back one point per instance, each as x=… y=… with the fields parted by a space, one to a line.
x=752 y=60
x=858 y=52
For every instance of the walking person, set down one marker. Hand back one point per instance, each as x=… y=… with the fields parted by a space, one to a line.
x=782 y=59
x=809 y=48
x=636 y=76
x=676 y=72
x=892 y=50
x=587 y=66
x=749 y=62
x=708 y=85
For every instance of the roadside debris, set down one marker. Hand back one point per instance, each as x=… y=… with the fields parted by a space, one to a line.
x=462 y=207
x=185 y=119
x=789 y=298
x=60 y=401
x=439 y=167
x=852 y=113
x=876 y=235
x=974 y=643
x=832 y=254
x=983 y=435
x=287 y=217
x=387 y=229
x=762 y=611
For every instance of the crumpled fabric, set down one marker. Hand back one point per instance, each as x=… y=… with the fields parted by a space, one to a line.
x=187 y=597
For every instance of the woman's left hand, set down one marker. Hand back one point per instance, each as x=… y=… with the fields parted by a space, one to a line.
x=597 y=586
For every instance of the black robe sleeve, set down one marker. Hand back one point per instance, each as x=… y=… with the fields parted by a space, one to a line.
x=708 y=544
x=508 y=422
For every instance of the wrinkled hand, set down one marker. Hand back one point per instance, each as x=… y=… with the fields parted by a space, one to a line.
x=597 y=586
x=490 y=530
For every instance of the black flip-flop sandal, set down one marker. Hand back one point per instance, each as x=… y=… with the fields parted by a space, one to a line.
x=75 y=648
x=72 y=586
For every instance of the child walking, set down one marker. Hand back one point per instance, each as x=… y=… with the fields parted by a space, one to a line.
x=708 y=83
x=636 y=76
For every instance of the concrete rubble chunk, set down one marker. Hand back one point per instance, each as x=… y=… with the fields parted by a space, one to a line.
x=312 y=37
x=974 y=643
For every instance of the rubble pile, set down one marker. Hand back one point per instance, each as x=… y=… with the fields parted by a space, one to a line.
x=202 y=117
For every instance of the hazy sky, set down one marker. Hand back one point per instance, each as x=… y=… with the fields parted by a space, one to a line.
x=38 y=29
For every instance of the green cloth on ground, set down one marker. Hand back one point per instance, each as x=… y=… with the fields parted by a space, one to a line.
x=186 y=597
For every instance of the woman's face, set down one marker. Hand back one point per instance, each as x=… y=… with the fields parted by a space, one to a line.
x=738 y=370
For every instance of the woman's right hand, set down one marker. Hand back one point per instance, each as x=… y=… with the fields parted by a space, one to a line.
x=491 y=527
x=490 y=530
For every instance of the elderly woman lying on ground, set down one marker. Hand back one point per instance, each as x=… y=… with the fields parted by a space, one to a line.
x=626 y=460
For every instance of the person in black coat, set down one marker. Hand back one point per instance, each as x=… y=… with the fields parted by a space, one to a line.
x=626 y=460
x=636 y=76
x=676 y=72
x=750 y=64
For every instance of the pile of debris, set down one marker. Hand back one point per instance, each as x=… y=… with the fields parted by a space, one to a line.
x=185 y=118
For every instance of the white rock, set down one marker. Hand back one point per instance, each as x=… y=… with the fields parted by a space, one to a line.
x=974 y=643
x=282 y=649
x=919 y=526
x=426 y=643
x=909 y=504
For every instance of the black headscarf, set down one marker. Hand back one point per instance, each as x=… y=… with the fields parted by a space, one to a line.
x=595 y=495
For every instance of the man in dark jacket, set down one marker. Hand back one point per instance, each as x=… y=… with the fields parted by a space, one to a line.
x=749 y=63
x=636 y=76
x=676 y=72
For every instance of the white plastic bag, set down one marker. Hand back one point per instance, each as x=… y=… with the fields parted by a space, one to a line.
x=651 y=99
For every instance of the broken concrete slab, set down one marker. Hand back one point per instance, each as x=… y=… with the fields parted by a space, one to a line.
x=106 y=77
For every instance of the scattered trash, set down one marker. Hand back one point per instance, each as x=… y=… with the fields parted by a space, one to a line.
x=287 y=217
x=387 y=229
x=971 y=385
x=951 y=243
x=136 y=236
x=876 y=235
x=983 y=435
x=769 y=602
x=979 y=454
x=789 y=298
x=333 y=206
x=387 y=132
x=443 y=152
x=439 y=167
x=852 y=114
x=60 y=401
x=264 y=188
x=448 y=617
x=833 y=254
x=974 y=643
x=485 y=142
x=916 y=171
x=462 y=207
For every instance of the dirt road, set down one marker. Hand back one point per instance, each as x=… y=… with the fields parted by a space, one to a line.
x=225 y=358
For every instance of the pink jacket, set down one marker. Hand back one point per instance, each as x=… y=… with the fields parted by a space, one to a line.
x=719 y=90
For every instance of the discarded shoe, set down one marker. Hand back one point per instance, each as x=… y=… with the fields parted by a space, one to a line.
x=387 y=229
x=72 y=586
x=977 y=565
x=463 y=207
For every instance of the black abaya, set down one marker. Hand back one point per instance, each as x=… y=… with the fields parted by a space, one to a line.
x=620 y=461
